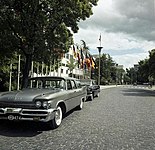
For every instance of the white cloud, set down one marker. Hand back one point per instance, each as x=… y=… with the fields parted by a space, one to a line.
x=129 y=59
x=124 y=25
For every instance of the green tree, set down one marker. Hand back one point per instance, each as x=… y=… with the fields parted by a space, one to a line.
x=107 y=68
x=38 y=29
x=143 y=71
x=119 y=75
x=85 y=47
x=132 y=75
x=71 y=65
x=152 y=65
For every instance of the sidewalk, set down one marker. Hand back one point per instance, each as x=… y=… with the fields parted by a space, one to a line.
x=108 y=86
x=153 y=88
x=112 y=86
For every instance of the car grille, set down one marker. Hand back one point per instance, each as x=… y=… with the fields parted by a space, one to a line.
x=1 y=111
x=35 y=112
x=17 y=105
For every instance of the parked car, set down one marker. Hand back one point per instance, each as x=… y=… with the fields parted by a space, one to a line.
x=93 y=89
x=45 y=99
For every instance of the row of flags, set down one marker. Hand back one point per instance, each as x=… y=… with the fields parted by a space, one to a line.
x=84 y=59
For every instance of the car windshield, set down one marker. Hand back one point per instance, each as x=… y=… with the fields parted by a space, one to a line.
x=85 y=82
x=88 y=82
x=47 y=83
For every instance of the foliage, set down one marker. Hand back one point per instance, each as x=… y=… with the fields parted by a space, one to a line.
x=108 y=70
x=145 y=72
x=40 y=29
x=132 y=75
x=85 y=47
x=71 y=65
x=5 y=71
x=152 y=64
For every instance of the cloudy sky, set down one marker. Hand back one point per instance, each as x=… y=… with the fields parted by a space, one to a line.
x=127 y=28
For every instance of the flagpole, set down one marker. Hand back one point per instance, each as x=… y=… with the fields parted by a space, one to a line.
x=37 y=72
x=99 y=50
x=10 y=76
x=50 y=68
x=18 y=78
x=100 y=39
x=42 y=69
x=46 y=70
x=37 y=69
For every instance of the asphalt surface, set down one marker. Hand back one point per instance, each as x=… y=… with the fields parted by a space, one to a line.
x=122 y=118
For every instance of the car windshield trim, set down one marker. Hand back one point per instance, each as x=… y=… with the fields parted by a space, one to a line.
x=46 y=83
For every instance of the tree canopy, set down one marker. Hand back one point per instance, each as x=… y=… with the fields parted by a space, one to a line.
x=110 y=73
x=40 y=29
x=146 y=70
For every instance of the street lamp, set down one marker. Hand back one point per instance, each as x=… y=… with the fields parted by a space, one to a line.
x=99 y=50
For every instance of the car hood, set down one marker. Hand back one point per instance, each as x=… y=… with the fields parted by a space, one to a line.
x=27 y=95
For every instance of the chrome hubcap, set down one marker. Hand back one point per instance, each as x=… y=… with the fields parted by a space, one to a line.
x=58 y=116
x=81 y=105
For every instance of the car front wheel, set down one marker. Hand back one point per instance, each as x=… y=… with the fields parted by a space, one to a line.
x=81 y=105
x=91 y=97
x=57 y=118
x=98 y=94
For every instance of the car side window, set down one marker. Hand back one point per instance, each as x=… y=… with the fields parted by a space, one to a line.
x=78 y=84
x=73 y=84
x=69 y=86
x=94 y=82
x=62 y=84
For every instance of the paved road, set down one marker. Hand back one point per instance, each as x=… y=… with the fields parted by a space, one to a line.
x=122 y=118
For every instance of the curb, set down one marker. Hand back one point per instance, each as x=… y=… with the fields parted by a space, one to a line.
x=108 y=86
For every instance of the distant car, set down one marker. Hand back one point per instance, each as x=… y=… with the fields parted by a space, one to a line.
x=45 y=99
x=93 y=90
x=135 y=84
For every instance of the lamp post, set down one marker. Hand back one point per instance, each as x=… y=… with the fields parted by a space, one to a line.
x=99 y=72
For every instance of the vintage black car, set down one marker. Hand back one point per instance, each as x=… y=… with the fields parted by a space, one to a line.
x=93 y=89
x=45 y=99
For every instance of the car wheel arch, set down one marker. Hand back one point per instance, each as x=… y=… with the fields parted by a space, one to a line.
x=56 y=122
x=63 y=106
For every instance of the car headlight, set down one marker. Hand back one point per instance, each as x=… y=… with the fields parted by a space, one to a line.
x=89 y=89
x=38 y=104
x=46 y=104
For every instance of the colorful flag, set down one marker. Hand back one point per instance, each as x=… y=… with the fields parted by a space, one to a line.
x=93 y=63
x=78 y=56
x=100 y=38
x=88 y=63
x=74 y=52
x=87 y=55
x=84 y=65
x=81 y=58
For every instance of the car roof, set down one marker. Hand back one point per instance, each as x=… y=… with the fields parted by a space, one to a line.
x=48 y=77
x=86 y=80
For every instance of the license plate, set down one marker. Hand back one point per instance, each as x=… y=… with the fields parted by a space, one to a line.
x=12 y=117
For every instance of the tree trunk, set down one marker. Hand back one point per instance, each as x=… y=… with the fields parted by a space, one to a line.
x=26 y=70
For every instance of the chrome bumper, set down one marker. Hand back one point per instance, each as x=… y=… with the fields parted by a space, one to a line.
x=27 y=114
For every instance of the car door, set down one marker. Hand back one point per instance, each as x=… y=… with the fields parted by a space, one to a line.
x=77 y=93
x=96 y=87
x=72 y=99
